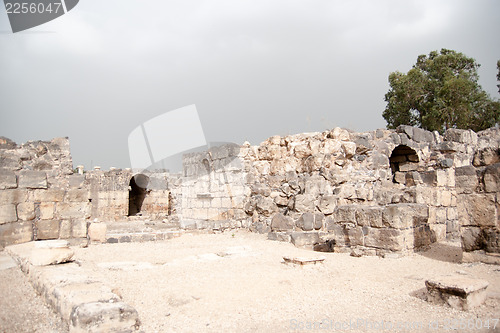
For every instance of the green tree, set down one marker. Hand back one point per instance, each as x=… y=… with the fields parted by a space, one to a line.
x=498 y=75
x=440 y=91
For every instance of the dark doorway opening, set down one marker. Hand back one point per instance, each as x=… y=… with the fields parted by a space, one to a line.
x=403 y=159
x=137 y=193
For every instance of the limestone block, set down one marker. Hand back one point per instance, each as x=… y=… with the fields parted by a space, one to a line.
x=265 y=205
x=97 y=232
x=355 y=236
x=429 y=177
x=65 y=229
x=339 y=134
x=52 y=195
x=327 y=204
x=349 y=149
x=492 y=178
x=46 y=253
x=441 y=215
x=8 y=179
x=304 y=203
x=402 y=216
x=32 y=179
x=388 y=239
x=458 y=292
x=486 y=156
x=26 y=211
x=345 y=213
x=369 y=216
x=79 y=195
x=15 y=233
x=439 y=231
x=104 y=317
x=460 y=135
x=318 y=221
x=304 y=239
x=466 y=179
x=451 y=213
x=477 y=209
x=281 y=222
x=305 y=222
x=47 y=229
x=8 y=213
x=281 y=200
x=400 y=177
x=68 y=210
x=408 y=166
x=445 y=177
x=471 y=238
x=13 y=196
x=47 y=210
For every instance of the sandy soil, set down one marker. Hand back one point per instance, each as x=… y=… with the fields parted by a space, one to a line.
x=237 y=282
x=21 y=309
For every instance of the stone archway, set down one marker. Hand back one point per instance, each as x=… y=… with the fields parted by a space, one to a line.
x=402 y=160
x=137 y=193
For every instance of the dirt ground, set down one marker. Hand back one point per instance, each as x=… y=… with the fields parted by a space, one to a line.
x=21 y=309
x=237 y=282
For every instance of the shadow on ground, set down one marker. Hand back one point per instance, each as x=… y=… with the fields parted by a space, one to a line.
x=444 y=251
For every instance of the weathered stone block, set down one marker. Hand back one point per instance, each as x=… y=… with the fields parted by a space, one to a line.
x=402 y=216
x=486 y=156
x=471 y=238
x=429 y=178
x=97 y=232
x=52 y=195
x=47 y=229
x=8 y=213
x=304 y=203
x=15 y=233
x=439 y=231
x=79 y=228
x=327 y=204
x=305 y=222
x=78 y=195
x=46 y=253
x=369 y=216
x=8 y=179
x=304 y=239
x=279 y=236
x=47 y=210
x=477 y=210
x=458 y=292
x=492 y=178
x=345 y=213
x=388 y=239
x=281 y=222
x=32 y=179
x=26 y=211
x=460 y=135
x=318 y=221
x=68 y=210
x=466 y=179
x=104 y=317
x=13 y=196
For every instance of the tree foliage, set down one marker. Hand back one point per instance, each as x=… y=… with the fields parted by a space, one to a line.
x=440 y=91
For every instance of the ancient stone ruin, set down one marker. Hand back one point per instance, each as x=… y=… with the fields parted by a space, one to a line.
x=374 y=193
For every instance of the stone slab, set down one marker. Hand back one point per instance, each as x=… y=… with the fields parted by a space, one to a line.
x=458 y=292
x=303 y=260
x=32 y=179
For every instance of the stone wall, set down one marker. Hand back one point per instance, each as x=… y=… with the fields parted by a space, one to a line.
x=374 y=192
x=40 y=197
x=213 y=189
x=478 y=189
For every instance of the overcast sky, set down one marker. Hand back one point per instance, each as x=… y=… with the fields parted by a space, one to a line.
x=254 y=68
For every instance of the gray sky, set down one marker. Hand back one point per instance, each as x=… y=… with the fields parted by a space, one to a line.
x=253 y=68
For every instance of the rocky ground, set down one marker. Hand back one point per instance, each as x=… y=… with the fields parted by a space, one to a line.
x=21 y=309
x=237 y=282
